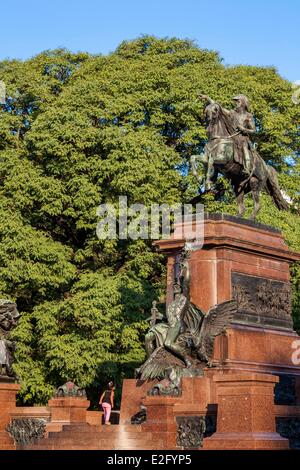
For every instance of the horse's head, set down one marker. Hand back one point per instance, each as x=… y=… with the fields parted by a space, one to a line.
x=212 y=111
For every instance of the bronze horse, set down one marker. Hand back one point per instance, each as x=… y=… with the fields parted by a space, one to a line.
x=218 y=157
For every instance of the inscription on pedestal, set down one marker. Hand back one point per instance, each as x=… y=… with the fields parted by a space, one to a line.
x=262 y=301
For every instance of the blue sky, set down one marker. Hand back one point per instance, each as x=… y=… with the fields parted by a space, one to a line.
x=255 y=32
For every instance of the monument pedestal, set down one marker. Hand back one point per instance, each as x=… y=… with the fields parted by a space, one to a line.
x=68 y=410
x=250 y=263
x=238 y=259
x=161 y=420
x=253 y=348
x=133 y=392
x=246 y=413
x=238 y=408
x=8 y=392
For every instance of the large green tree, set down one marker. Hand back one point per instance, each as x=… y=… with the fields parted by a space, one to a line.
x=79 y=130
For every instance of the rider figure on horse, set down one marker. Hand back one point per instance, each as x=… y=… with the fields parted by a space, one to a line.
x=244 y=125
x=229 y=152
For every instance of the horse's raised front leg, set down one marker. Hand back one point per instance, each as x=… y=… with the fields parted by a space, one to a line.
x=240 y=203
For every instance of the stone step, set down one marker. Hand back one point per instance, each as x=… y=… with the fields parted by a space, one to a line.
x=143 y=447
x=38 y=447
x=113 y=428
x=151 y=445
x=54 y=427
x=89 y=442
x=107 y=431
x=100 y=441
x=139 y=444
x=100 y=435
x=7 y=447
x=122 y=427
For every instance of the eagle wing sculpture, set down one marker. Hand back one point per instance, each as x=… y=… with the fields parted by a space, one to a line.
x=157 y=364
x=214 y=323
x=193 y=320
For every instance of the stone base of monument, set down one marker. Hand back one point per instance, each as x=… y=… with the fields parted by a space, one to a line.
x=253 y=360
x=238 y=409
x=246 y=413
x=250 y=263
x=161 y=420
x=68 y=409
x=258 y=349
x=242 y=405
x=8 y=392
x=72 y=427
x=246 y=441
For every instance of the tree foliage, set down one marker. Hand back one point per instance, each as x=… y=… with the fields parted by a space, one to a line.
x=79 y=130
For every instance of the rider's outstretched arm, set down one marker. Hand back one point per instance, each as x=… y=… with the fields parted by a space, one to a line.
x=210 y=101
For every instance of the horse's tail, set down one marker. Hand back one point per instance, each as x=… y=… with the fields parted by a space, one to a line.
x=273 y=189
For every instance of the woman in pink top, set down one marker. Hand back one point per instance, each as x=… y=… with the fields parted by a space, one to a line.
x=107 y=401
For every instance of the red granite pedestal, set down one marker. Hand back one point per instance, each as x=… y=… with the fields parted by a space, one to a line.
x=230 y=245
x=242 y=404
x=246 y=413
x=133 y=392
x=66 y=411
x=8 y=392
x=250 y=263
x=161 y=420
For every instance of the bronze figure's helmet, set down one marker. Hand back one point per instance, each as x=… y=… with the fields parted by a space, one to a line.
x=243 y=99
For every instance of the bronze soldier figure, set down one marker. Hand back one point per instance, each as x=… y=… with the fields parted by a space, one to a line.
x=229 y=151
x=244 y=127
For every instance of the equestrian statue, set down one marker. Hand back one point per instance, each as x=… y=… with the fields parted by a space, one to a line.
x=229 y=151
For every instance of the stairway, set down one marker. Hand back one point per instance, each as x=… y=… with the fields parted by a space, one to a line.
x=91 y=437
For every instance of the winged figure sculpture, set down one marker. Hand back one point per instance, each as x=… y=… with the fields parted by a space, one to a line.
x=181 y=342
